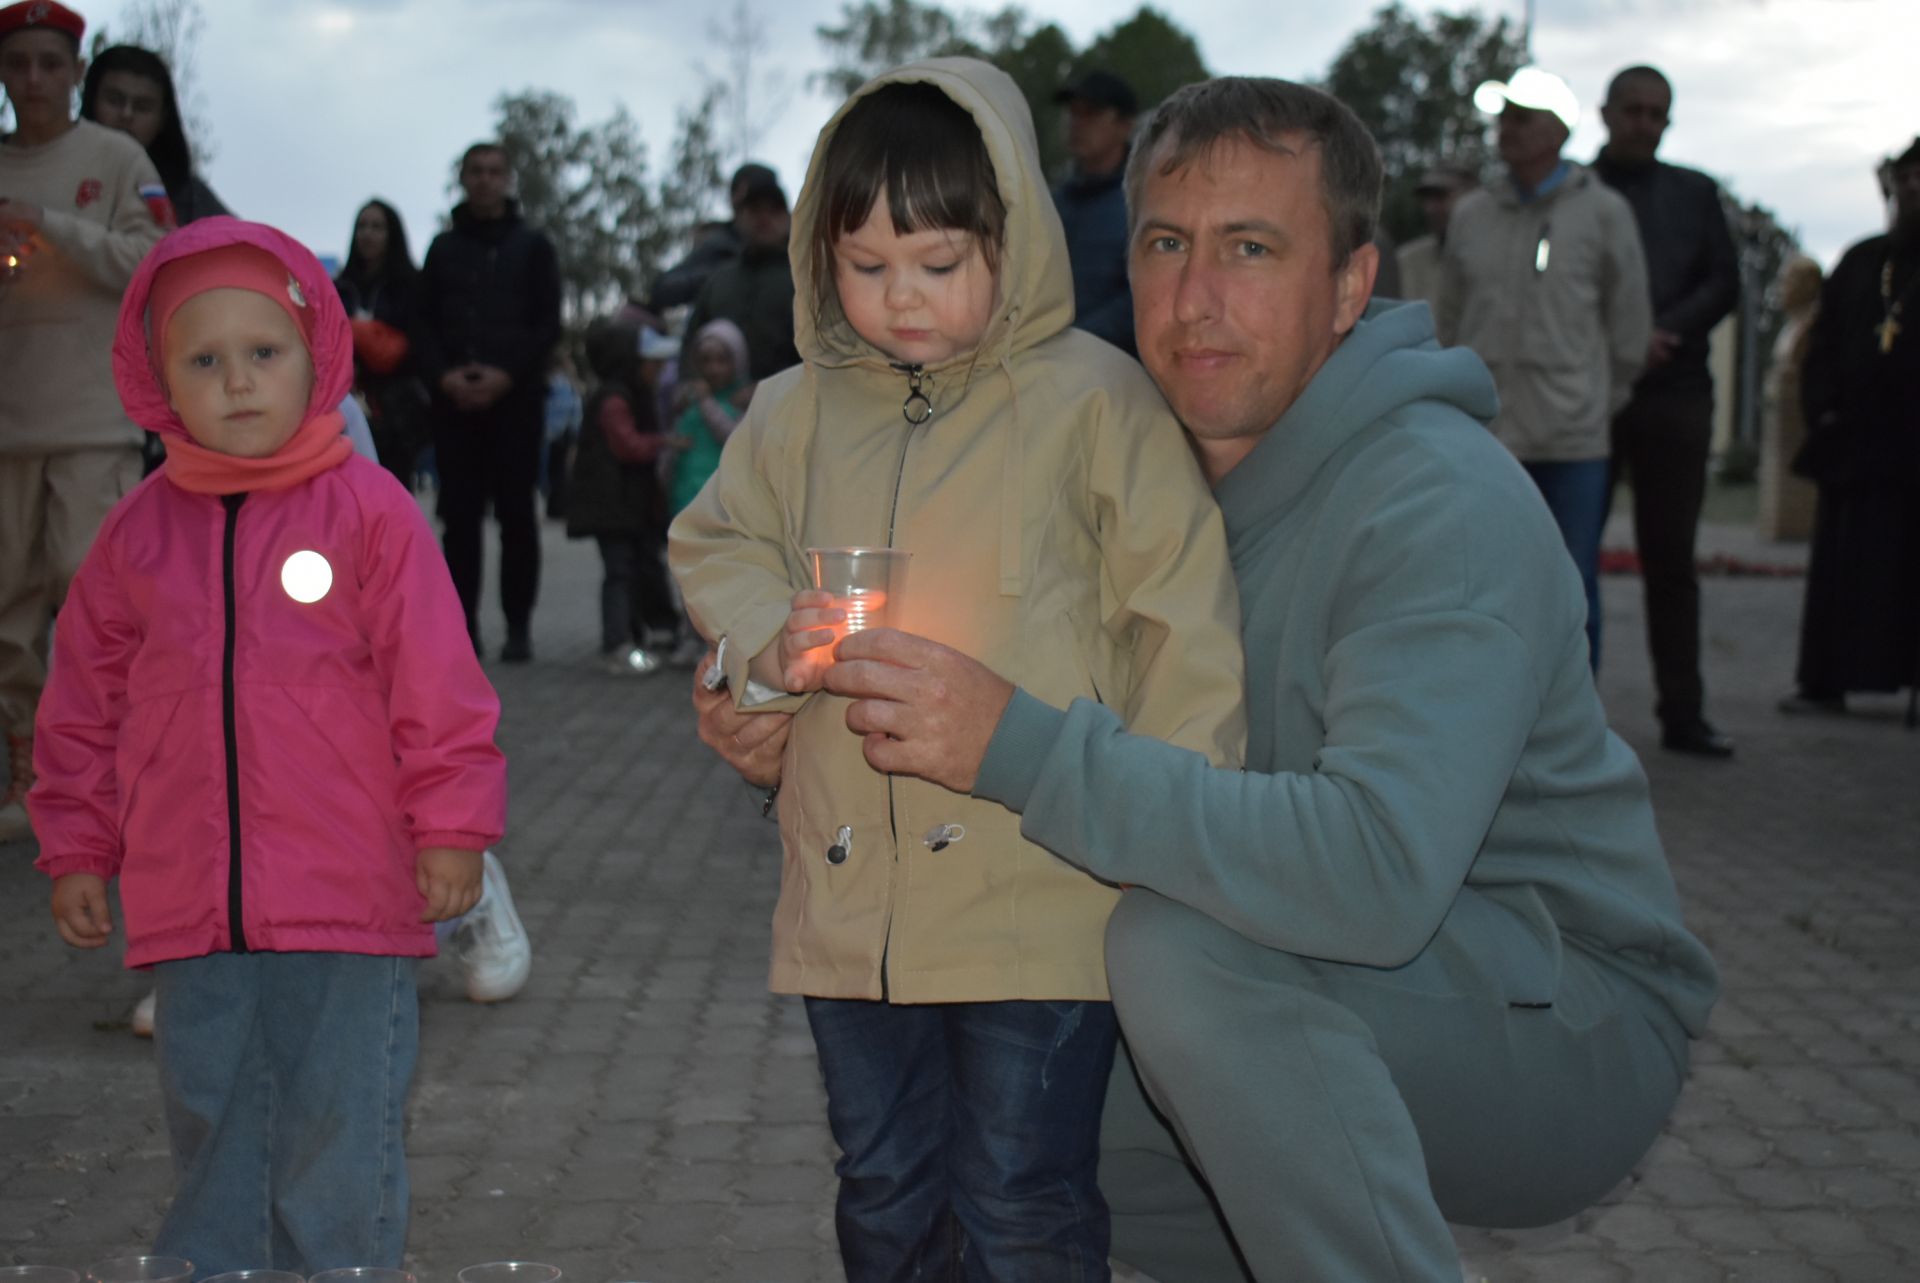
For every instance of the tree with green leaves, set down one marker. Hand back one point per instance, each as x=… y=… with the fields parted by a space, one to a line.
x=587 y=187
x=1410 y=78
x=1148 y=50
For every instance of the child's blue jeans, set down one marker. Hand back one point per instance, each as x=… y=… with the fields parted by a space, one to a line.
x=285 y=1079
x=970 y=1137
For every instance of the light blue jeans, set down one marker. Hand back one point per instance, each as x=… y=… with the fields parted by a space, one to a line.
x=285 y=1079
x=1577 y=493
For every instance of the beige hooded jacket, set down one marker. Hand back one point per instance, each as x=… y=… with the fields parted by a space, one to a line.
x=1060 y=532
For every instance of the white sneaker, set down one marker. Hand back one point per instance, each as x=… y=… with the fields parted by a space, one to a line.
x=634 y=661
x=142 y=1018
x=491 y=943
x=688 y=651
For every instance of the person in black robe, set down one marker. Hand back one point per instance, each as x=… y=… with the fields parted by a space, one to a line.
x=1860 y=630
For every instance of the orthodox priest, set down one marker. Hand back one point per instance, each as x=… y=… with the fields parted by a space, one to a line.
x=1861 y=392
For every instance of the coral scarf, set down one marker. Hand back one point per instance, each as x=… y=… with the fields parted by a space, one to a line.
x=317 y=446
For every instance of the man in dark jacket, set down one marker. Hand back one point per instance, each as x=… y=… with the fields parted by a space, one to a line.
x=1093 y=204
x=755 y=290
x=486 y=323
x=716 y=245
x=1661 y=438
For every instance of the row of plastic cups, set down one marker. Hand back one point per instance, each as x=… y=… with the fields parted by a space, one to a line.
x=172 y=1269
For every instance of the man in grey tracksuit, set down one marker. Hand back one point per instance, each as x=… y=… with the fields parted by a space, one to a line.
x=1422 y=959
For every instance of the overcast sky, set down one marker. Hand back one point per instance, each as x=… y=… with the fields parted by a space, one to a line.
x=314 y=107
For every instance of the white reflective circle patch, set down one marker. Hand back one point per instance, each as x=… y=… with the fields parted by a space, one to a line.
x=306 y=576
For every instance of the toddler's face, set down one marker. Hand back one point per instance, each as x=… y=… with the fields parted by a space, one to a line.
x=716 y=364
x=237 y=372
x=924 y=298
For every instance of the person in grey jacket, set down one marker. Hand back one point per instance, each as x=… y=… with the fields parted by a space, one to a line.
x=1544 y=278
x=1423 y=959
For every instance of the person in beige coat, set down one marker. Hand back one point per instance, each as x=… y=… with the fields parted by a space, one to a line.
x=1059 y=529
x=80 y=206
x=1544 y=277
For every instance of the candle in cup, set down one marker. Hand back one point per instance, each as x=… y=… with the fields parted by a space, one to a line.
x=863 y=582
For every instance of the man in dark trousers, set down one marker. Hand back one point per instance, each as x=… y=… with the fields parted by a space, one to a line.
x=1860 y=389
x=1093 y=207
x=1660 y=439
x=486 y=323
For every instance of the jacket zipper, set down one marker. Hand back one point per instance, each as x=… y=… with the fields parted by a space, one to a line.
x=236 y=930
x=913 y=373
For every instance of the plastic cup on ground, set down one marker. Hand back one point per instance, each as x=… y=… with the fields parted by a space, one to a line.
x=510 y=1272
x=141 y=1269
x=362 y=1274
x=38 y=1274
x=864 y=582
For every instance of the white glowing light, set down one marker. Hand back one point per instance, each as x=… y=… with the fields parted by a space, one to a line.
x=333 y=22
x=307 y=577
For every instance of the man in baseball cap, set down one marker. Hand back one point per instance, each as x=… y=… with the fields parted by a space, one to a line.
x=1544 y=277
x=1093 y=205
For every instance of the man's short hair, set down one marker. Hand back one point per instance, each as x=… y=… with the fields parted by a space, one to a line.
x=1627 y=75
x=480 y=149
x=1266 y=112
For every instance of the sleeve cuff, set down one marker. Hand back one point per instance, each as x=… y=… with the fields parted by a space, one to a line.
x=1020 y=744
x=59 y=866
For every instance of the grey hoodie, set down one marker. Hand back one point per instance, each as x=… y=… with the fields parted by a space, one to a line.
x=1420 y=713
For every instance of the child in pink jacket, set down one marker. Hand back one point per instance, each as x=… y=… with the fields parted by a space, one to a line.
x=266 y=719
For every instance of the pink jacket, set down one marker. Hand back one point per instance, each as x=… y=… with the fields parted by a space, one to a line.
x=240 y=758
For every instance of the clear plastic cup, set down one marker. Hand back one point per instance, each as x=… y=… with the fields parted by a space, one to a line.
x=256 y=1276
x=510 y=1272
x=864 y=582
x=38 y=1274
x=141 y=1269
x=362 y=1274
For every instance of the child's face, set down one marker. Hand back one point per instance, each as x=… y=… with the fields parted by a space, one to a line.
x=923 y=298
x=716 y=364
x=237 y=372
x=40 y=70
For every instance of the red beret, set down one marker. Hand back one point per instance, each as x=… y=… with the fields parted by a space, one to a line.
x=42 y=13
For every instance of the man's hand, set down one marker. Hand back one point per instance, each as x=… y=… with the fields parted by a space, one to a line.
x=449 y=879
x=751 y=743
x=1661 y=347
x=923 y=708
x=804 y=651
x=490 y=384
x=80 y=910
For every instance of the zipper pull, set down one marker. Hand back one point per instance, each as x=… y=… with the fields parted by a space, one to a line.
x=917 y=408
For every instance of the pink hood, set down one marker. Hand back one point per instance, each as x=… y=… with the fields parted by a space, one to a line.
x=331 y=341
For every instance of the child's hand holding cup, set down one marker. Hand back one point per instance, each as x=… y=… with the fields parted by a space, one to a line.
x=853 y=590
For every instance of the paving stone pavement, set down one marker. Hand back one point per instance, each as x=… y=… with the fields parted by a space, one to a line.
x=646 y=1111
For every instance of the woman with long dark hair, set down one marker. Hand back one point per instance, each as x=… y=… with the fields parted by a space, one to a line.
x=377 y=287
x=130 y=89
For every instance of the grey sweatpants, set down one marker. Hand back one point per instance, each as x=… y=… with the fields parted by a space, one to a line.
x=1337 y=1116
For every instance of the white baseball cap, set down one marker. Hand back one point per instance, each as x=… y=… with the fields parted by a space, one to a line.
x=1533 y=88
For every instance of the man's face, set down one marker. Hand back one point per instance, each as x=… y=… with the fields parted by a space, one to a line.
x=764 y=223
x=1636 y=118
x=40 y=71
x=1236 y=301
x=1906 y=195
x=485 y=179
x=1097 y=136
x=1436 y=206
x=1528 y=137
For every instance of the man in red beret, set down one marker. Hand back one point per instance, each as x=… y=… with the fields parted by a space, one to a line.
x=80 y=205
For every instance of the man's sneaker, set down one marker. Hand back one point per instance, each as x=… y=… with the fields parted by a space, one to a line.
x=688 y=651
x=631 y=661
x=518 y=648
x=142 y=1018
x=491 y=943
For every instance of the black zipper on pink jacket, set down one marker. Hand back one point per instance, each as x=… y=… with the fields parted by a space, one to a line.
x=236 y=930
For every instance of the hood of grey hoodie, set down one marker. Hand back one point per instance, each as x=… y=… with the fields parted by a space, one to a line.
x=1389 y=364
